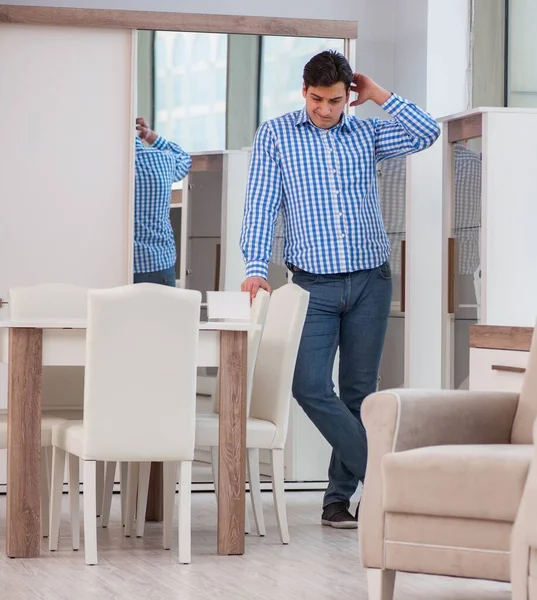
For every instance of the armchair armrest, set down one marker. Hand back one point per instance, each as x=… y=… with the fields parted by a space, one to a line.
x=403 y=419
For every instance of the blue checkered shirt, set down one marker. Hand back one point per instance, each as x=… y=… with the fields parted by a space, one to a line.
x=324 y=181
x=156 y=168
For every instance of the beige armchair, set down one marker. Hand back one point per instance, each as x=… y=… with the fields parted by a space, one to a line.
x=524 y=540
x=445 y=476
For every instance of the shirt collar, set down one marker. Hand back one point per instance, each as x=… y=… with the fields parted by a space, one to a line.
x=303 y=118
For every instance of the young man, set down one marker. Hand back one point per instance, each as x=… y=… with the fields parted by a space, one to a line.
x=157 y=166
x=318 y=165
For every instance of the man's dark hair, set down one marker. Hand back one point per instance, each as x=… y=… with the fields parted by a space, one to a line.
x=326 y=69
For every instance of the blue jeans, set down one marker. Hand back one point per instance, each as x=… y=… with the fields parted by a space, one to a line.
x=164 y=277
x=349 y=311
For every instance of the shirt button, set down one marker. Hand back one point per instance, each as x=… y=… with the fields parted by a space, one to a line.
x=340 y=214
x=335 y=171
x=342 y=235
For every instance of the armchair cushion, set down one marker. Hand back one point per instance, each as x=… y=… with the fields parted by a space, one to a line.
x=470 y=481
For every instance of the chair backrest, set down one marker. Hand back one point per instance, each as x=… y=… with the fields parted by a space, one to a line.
x=63 y=387
x=527 y=405
x=276 y=359
x=48 y=301
x=141 y=362
x=258 y=315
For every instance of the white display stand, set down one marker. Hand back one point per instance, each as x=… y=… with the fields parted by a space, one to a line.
x=489 y=242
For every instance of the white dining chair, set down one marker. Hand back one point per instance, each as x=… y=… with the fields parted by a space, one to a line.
x=139 y=475
x=58 y=301
x=267 y=423
x=258 y=315
x=54 y=301
x=141 y=350
x=47 y=423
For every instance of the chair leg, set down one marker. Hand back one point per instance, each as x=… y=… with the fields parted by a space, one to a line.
x=109 y=476
x=100 y=487
x=46 y=463
x=58 y=470
x=255 y=490
x=74 y=499
x=132 y=486
x=185 y=511
x=124 y=478
x=380 y=583
x=170 y=482
x=279 y=494
x=90 y=511
x=143 y=490
x=214 y=465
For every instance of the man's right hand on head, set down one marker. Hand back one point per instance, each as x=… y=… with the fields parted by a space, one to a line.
x=145 y=133
x=253 y=284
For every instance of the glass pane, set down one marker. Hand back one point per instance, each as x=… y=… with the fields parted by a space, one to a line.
x=466 y=231
x=392 y=194
x=190 y=89
x=282 y=63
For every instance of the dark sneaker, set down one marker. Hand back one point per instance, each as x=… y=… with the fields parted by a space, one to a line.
x=337 y=515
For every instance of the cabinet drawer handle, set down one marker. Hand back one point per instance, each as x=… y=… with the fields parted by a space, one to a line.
x=508 y=369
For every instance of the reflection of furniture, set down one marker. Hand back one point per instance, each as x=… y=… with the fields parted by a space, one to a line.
x=489 y=187
x=206 y=220
x=445 y=475
x=128 y=361
x=524 y=541
x=56 y=342
x=266 y=426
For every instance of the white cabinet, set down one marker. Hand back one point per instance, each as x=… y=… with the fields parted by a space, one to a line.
x=490 y=244
x=498 y=370
x=498 y=357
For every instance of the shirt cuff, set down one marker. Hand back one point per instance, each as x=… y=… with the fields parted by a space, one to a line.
x=257 y=268
x=160 y=143
x=394 y=105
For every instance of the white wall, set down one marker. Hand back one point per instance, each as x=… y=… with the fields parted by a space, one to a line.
x=522 y=53
x=441 y=81
x=375 y=48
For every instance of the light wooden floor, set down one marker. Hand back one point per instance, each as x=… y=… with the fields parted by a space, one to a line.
x=319 y=564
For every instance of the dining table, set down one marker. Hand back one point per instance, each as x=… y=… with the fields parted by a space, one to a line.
x=28 y=345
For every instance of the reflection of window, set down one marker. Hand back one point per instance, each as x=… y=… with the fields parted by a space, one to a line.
x=190 y=89
x=282 y=63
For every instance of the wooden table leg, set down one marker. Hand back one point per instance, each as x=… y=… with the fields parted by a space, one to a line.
x=155 y=502
x=23 y=526
x=232 y=447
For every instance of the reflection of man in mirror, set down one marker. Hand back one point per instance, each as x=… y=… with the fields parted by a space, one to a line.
x=319 y=166
x=158 y=164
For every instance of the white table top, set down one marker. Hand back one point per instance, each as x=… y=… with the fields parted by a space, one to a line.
x=82 y=324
